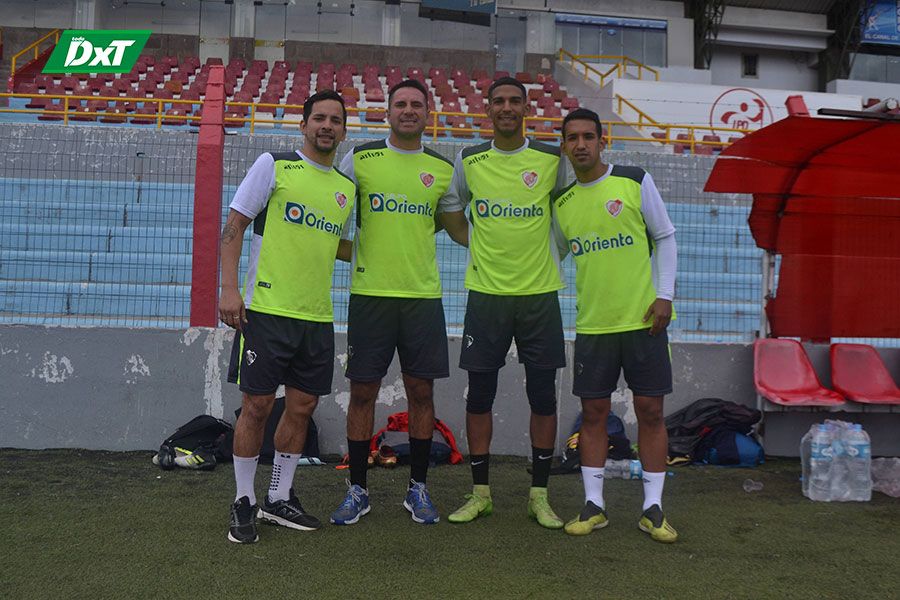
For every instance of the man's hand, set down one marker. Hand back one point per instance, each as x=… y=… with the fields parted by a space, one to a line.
x=231 y=308
x=660 y=312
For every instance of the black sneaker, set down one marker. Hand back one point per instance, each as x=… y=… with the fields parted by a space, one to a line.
x=243 y=522
x=288 y=513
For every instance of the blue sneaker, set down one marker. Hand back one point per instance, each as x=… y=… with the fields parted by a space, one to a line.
x=355 y=505
x=418 y=503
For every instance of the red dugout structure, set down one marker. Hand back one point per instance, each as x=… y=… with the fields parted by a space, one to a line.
x=826 y=197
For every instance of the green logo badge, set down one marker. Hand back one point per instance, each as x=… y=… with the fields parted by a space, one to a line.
x=97 y=51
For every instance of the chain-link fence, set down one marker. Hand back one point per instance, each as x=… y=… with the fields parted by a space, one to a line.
x=97 y=231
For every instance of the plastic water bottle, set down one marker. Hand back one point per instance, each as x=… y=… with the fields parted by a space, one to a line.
x=805 y=444
x=820 y=463
x=623 y=469
x=858 y=451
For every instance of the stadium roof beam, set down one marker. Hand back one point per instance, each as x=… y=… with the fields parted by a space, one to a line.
x=707 y=16
x=836 y=60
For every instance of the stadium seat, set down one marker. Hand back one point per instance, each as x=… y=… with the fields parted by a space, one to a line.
x=523 y=77
x=483 y=84
x=126 y=105
x=38 y=102
x=144 y=115
x=465 y=89
x=174 y=87
x=175 y=112
x=535 y=95
x=68 y=83
x=550 y=85
x=375 y=116
x=558 y=94
x=783 y=374
x=703 y=150
x=82 y=113
x=451 y=106
x=115 y=114
x=43 y=81
x=52 y=112
x=499 y=74
x=543 y=130
x=713 y=138
x=859 y=373
x=375 y=95
x=569 y=103
x=26 y=88
x=682 y=148
x=119 y=85
x=545 y=102
x=233 y=117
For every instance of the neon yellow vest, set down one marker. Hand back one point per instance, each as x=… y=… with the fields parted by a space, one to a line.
x=609 y=243
x=394 y=249
x=292 y=260
x=510 y=248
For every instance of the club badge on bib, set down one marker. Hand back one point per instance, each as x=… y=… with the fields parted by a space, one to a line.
x=341 y=199
x=614 y=207
x=530 y=178
x=427 y=179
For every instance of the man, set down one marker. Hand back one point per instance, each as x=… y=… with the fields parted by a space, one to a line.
x=299 y=206
x=612 y=219
x=395 y=293
x=512 y=277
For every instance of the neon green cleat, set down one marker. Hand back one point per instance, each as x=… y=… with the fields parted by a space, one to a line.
x=478 y=504
x=592 y=517
x=539 y=509
x=653 y=521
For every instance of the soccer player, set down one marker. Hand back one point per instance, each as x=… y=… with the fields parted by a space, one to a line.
x=512 y=277
x=395 y=292
x=299 y=206
x=613 y=221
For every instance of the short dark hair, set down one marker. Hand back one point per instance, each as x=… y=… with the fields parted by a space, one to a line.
x=408 y=83
x=507 y=81
x=318 y=97
x=583 y=114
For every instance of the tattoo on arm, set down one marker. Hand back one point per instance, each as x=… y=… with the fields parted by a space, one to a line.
x=229 y=232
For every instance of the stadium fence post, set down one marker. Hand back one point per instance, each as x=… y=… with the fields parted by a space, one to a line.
x=208 y=203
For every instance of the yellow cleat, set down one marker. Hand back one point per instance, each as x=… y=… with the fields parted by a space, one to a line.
x=539 y=509
x=478 y=504
x=653 y=521
x=592 y=517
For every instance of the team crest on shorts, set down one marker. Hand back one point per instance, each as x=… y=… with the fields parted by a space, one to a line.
x=530 y=178
x=341 y=199
x=250 y=356
x=427 y=179
x=614 y=207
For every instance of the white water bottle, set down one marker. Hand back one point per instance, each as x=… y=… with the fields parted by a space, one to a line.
x=805 y=444
x=623 y=469
x=820 y=463
x=858 y=451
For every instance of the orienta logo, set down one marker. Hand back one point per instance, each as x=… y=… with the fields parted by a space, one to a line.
x=298 y=214
x=595 y=243
x=97 y=51
x=486 y=208
x=397 y=203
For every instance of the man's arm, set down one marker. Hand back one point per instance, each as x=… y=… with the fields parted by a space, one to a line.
x=250 y=199
x=457 y=226
x=231 y=304
x=665 y=256
x=345 y=250
x=452 y=205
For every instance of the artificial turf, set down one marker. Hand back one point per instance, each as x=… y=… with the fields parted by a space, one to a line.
x=82 y=524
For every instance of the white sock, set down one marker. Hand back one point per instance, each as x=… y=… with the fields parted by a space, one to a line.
x=653 y=488
x=593 y=484
x=283 y=468
x=244 y=476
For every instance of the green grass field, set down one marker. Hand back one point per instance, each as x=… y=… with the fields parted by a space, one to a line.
x=110 y=525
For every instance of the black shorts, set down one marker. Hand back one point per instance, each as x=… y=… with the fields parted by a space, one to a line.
x=274 y=350
x=415 y=327
x=600 y=358
x=493 y=321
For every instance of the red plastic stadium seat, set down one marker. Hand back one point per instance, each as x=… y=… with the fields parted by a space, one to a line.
x=465 y=89
x=558 y=95
x=68 y=82
x=375 y=95
x=550 y=85
x=858 y=373
x=480 y=74
x=375 y=116
x=232 y=117
x=458 y=73
x=713 y=138
x=43 y=81
x=81 y=113
x=702 y=150
x=451 y=106
x=483 y=84
x=38 y=102
x=523 y=77
x=52 y=112
x=115 y=114
x=543 y=130
x=175 y=112
x=145 y=115
x=26 y=88
x=126 y=106
x=499 y=74
x=535 y=95
x=783 y=374
x=569 y=103
x=545 y=102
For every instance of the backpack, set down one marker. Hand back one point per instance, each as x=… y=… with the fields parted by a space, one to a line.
x=725 y=446
x=687 y=426
x=198 y=444
x=395 y=435
x=267 y=452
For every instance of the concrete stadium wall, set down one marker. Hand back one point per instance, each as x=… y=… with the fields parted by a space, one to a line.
x=127 y=389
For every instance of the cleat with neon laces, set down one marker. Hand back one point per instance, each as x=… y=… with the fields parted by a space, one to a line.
x=478 y=504
x=653 y=521
x=592 y=517
x=539 y=509
x=419 y=505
